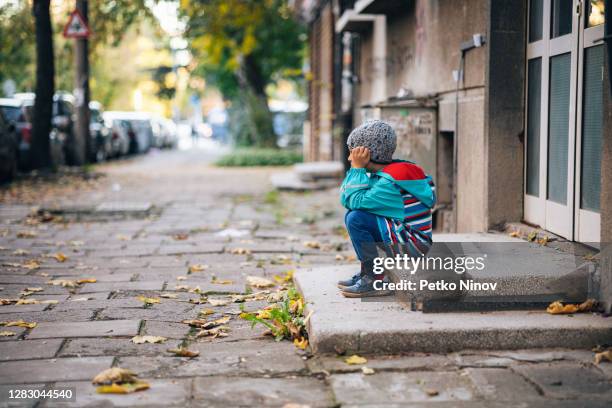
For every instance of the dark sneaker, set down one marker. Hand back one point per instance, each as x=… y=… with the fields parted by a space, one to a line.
x=364 y=288
x=349 y=282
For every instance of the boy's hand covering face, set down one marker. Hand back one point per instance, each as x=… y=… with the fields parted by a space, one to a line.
x=359 y=157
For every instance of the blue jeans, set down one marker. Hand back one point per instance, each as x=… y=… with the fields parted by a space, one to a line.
x=365 y=234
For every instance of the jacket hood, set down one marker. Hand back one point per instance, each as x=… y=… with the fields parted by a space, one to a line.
x=420 y=188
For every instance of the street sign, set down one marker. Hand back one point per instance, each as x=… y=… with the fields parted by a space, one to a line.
x=76 y=27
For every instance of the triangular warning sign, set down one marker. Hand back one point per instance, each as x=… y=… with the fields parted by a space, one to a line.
x=76 y=27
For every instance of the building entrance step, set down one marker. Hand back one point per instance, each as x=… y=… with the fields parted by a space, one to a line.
x=388 y=325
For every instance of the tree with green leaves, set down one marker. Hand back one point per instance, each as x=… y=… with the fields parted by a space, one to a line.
x=242 y=46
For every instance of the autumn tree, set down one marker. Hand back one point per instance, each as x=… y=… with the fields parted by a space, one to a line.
x=241 y=46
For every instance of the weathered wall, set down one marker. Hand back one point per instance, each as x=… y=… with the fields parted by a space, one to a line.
x=606 y=197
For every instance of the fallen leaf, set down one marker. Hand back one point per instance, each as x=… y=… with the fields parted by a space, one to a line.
x=34 y=289
x=195 y=290
x=219 y=302
x=199 y=301
x=183 y=352
x=148 y=339
x=6 y=333
x=31 y=264
x=367 y=370
x=220 y=331
x=26 y=302
x=312 y=244
x=124 y=388
x=431 y=392
x=604 y=355
x=5 y=302
x=195 y=322
x=180 y=237
x=123 y=237
x=301 y=343
x=81 y=299
x=221 y=320
x=222 y=281
x=114 y=375
x=258 y=282
x=76 y=243
x=197 y=268
x=240 y=251
x=21 y=252
x=355 y=360
x=86 y=280
x=27 y=234
x=182 y=288
x=19 y=323
x=559 y=308
x=60 y=257
x=515 y=234
x=66 y=283
x=181 y=278
x=50 y=302
x=206 y=312
x=168 y=295
x=148 y=300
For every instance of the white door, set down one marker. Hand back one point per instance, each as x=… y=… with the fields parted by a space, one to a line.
x=562 y=117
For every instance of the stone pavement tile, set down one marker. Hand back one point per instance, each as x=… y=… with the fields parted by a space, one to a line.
x=104 y=276
x=262 y=246
x=163 y=393
x=29 y=349
x=211 y=247
x=90 y=296
x=416 y=362
x=58 y=369
x=153 y=313
x=207 y=287
x=96 y=328
x=51 y=316
x=567 y=380
x=256 y=357
x=17 y=330
x=400 y=388
x=23 y=308
x=502 y=385
x=544 y=355
x=6 y=402
x=114 y=347
x=259 y=392
x=606 y=369
x=29 y=280
x=165 y=261
x=481 y=360
x=118 y=263
x=97 y=304
x=13 y=290
x=123 y=286
x=165 y=329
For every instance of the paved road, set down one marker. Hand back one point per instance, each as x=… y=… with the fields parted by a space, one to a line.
x=201 y=215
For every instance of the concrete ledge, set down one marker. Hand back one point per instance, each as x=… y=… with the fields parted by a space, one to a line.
x=342 y=325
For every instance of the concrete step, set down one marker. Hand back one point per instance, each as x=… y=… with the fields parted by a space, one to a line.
x=290 y=181
x=386 y=325
x=312 y=171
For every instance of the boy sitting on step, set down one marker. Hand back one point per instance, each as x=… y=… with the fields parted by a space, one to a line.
x=389 y=204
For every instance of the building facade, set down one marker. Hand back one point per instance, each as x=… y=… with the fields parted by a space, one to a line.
x=505 y=103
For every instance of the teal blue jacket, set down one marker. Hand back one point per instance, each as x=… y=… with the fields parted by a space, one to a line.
x=379 y=193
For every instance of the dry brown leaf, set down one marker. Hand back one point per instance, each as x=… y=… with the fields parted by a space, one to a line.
x=220 y=331
x=19 y=323
x=27 y=234
x=183 y=352
x=206 y=312
x=199 y=301
x=195 y=322
x=148 y=339
x=123 y=237
x=219 y=302
x=4 y=302
x=181 y=278
x=34 y=289
x=355 y=360
x=240 y=251
x=60 y=257
x=66 y=283
x=124 y=388
x=180 y=237
x=312 y=244
x=27 y=302
x=432 y=392
x=31 y=264
x=559 y=308
x=21 y=252
x=86 y=280
x=182 y=288
x=197 y=268
x=50 y=302
x=258 y=282
x=114 y=375
x=603 y=356
x=81 y=299
x=195 y=290
x=6 y=333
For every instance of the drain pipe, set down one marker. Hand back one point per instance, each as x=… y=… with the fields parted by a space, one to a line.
x=477 y=41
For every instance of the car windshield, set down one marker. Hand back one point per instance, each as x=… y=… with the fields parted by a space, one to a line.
x=11 y=113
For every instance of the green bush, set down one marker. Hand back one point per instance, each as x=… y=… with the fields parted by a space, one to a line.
x=260 y=157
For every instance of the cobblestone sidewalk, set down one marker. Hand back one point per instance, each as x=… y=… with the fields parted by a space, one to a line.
x=229 y=220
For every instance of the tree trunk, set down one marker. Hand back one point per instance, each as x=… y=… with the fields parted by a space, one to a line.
x=256 y=102
x=45 y=73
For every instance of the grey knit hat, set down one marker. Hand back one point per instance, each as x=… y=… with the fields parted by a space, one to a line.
x=376 y=135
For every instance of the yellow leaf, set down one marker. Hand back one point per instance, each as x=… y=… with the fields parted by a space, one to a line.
x=222 y=281
x=148 y=300
x=367 y=370
x=301 y=343
x=26 y=302
x=19 y=323
x=183 y=352
x=60 y=257
x=148 y=339
x=6 y=333
x=604 y=355
x=355 y=360
x=114 y=375
x=31 y=264
x=258 y=282
x=86 y=280
x=207 y=312
x=312 y=244
x=197 y=268
x=559 y=308
x=66 y=283
x=124 y=388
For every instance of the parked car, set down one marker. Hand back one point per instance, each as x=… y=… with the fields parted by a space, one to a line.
x=62 y=126
x=100 y=133
x=8 y=149
x=20 y=114
x=140 y=125
x=171 y=135
x=119 y=139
